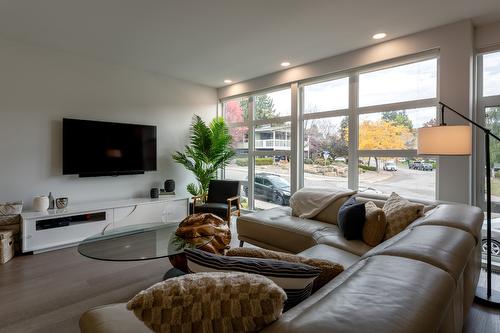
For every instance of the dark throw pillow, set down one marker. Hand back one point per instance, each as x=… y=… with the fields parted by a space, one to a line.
x=351 y=219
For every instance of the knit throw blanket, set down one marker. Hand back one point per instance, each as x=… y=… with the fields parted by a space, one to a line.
x=310 y=201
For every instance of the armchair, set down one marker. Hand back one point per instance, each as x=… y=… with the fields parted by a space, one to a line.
x=223 y=199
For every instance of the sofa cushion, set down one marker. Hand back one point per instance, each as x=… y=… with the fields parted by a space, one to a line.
x=378 y=294
x=295 y=278
x=208 y=302
x=444 y=247
x=351 y=219
x=462 y=217
x=277 y=228
x=400 y=213
x=332 y=254
x=333 y=237
x=375 y=224
x=219 y=209
x=112 y=318
x=329 y=269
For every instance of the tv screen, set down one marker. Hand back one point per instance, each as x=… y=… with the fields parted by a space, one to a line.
x=97 y=148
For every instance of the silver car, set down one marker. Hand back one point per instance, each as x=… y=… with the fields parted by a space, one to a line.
x=495 y=237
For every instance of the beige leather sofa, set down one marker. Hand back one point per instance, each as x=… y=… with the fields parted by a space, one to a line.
x=421 y=280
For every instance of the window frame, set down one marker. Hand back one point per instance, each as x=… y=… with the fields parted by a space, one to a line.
x=482 y=102
x=298 y=116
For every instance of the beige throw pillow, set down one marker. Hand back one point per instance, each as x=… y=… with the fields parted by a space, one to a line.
x=209 y=302
x=375 y=224
x=329 y=270
x=400 y=213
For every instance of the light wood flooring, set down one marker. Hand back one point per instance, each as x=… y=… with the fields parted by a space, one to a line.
x=48 y=292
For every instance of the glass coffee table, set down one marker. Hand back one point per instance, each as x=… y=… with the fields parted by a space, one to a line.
x=142 y=242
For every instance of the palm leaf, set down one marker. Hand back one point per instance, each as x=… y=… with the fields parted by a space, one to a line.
x=208 y=151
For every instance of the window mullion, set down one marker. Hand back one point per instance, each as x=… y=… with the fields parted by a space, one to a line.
x=353 y=171
x=251 y=155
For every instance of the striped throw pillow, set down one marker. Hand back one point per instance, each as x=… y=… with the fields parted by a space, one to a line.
x=294 y=278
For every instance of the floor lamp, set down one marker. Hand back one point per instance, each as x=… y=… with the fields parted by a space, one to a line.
x=457 y=141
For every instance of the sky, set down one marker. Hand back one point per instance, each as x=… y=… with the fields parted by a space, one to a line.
x=491 y=74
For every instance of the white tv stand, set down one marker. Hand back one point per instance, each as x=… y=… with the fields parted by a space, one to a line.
x=58 y=228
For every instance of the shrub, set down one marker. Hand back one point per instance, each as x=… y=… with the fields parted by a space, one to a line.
x=308 y=161
x=242 y=162
x=367 y=167
x=264 y=161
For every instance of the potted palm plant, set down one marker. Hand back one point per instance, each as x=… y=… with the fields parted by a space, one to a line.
x=208 y=151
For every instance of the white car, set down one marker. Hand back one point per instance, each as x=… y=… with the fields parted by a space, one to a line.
x=390 y=166
x=340 y=159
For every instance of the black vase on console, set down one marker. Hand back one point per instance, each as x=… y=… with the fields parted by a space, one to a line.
x=169 y=185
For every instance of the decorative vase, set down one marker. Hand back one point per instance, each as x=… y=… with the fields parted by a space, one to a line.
x=41 y=204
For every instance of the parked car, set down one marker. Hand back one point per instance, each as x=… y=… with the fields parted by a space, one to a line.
x=340 y=159
x=390 y=166
x=426 y=167
x=271 y=187
x=416 y=165
x=495 y=237
x=420 y=165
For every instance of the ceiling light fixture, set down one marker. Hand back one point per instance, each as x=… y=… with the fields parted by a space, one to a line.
x=228 y=81
x=380 y=35
x=285 y=64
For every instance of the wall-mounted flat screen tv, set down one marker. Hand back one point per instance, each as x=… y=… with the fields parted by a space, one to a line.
x=97 y=148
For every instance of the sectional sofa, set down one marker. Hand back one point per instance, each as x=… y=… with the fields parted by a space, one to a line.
x=421 y=280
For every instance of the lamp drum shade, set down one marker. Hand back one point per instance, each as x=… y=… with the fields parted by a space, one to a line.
x=445 y=140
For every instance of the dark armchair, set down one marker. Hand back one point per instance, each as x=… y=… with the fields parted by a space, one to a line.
x=223 y=199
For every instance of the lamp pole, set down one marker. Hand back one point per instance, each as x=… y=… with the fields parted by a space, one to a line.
x=486 y=297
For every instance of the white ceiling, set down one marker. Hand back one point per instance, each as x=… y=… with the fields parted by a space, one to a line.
x=207 y=41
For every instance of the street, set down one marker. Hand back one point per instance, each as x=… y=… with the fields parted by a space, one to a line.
x=406 y=182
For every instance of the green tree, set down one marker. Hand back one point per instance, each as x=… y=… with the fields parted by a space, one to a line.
x=208 y=151
x=399 y=118
x=263 y=107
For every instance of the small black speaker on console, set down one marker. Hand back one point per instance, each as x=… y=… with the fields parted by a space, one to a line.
x=169 y=185
x=155 y=193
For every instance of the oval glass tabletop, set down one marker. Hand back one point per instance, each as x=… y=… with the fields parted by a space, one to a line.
x=139 y=242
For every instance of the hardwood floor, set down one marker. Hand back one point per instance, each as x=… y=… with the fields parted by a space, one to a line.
x=48 y=292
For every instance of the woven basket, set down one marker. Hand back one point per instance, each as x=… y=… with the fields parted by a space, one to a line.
x=11 y=208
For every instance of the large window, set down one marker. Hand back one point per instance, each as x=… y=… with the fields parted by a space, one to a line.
x=261 y=128
x=325 y=131
x=488 y=113
x=356 y=130
x=398 y=84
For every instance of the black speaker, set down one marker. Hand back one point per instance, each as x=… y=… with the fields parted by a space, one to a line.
x=169 y=185
x=155 y=193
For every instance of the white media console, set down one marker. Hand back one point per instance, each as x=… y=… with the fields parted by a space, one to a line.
x=58 y=228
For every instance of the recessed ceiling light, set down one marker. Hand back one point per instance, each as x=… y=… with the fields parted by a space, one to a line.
x=380 y=35
x=285 y=64
x=228 y=81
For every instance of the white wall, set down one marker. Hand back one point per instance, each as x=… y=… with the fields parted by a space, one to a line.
x=487 y=36
x=38 y=87
x=455 y=43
